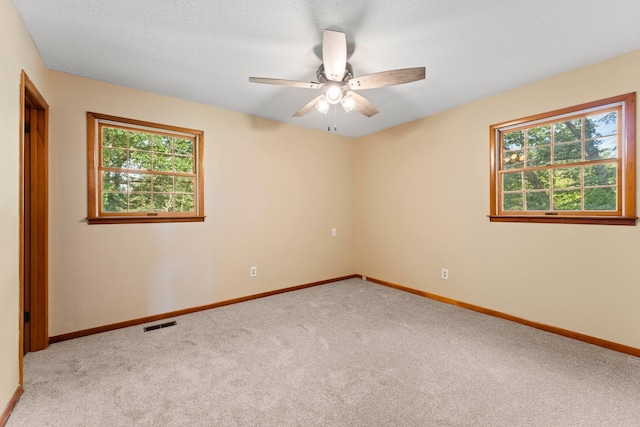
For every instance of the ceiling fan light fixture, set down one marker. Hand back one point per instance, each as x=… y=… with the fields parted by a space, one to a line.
x=336 y=79
x=323 y=106
x=334 y=94
x=348 y=103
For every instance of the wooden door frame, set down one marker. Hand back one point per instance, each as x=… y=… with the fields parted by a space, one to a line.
x=38 y=140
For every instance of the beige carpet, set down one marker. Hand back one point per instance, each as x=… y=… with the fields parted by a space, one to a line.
x=350 y=353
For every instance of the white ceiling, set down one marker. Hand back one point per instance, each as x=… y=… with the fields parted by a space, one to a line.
x=205 y=51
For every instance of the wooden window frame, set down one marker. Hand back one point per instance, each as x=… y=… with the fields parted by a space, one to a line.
x=626 y=213
x=94 y=199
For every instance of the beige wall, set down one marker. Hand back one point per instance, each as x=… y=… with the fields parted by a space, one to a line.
x=422 y=199
x=18 y=53
x=272 y=194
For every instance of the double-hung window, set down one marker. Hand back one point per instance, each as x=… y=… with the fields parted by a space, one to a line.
x=143 y=172
x=575 y=165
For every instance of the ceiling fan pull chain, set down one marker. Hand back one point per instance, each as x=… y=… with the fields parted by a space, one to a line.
x=331 y=109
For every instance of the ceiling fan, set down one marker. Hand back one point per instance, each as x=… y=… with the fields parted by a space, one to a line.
x=335 y=77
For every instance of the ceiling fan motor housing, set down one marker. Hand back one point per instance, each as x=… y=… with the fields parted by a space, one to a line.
x=322 y=76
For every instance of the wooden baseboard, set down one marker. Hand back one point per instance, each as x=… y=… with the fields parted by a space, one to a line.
x=4 y=415
x=134 y=322
x=548 y=328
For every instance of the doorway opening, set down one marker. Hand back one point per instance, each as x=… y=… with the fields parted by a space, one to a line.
x=34 y=207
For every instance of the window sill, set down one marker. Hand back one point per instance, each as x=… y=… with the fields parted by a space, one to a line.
x=143 y=220
x=563 y=219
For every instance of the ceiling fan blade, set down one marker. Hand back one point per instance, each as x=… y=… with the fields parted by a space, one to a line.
x=363 y=105
x=334 y=54
x=388 y=78
x=289 y=83
x=310 y=106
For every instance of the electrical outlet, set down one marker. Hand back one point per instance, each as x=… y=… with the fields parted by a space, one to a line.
x=334 y=232
x=253 y=271
x=445 y=274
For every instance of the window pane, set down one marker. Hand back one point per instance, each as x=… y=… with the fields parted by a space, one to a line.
x=600 y=175
x=513 y=140
x=114 y=158
x=163 y=184
x=163 y=162
x=566 y=178
x=114 y=181
x=184 y=146
x=139 y=141
x=536 y=180
x=184 y=203
x=183 y=164
x=567 y=153
x=513 y=202
x=539 y=156
x=540 y=135
x=184 y=184
x=162 y=202
x=512 y=181
x=112 y=137
x=140 y=182
x=140 y=202
x=567 y=200
x=600 y=199
x=514 y=160
x=570 y=130
x=162 y=144
x=601 y=148
x=140 y=160
x=601 y=124
x=114 y=202
x=537 y=200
